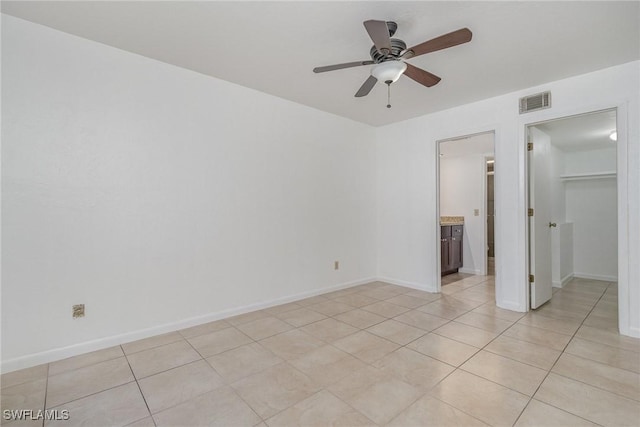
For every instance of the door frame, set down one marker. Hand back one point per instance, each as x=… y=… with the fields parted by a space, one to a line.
x=622 y=191
x=486 y=208
x=437 y=219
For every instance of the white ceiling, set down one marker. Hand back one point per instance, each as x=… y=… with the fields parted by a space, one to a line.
x=273 y=46
x=582 y=133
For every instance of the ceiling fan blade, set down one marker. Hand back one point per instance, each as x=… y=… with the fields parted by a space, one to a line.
x=421 y=76
x=341 y=66
x=448 y=40
x=379 y=33
x=366 y=87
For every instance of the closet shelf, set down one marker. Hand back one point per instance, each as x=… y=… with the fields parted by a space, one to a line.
x=593 y=175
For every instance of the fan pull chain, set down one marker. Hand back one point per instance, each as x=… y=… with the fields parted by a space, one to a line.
x=388 y=95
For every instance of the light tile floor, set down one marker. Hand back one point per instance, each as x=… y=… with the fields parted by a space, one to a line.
x=375 y=354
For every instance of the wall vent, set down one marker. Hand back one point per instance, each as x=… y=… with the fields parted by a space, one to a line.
x=539 y=101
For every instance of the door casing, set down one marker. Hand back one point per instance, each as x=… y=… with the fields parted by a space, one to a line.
x=622 y=189
x=438 y=183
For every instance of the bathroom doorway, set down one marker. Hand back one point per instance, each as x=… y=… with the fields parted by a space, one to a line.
x=465 y=210
x=491 y=211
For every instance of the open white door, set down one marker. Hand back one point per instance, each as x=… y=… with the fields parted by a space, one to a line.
x=539 y=149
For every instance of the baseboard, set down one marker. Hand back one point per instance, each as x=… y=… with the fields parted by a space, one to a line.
x=470 y=271
x=596 y=277
x=563 y=282
x=412 y=285
x=102 y=343
x=511 y=305
x=634 y=332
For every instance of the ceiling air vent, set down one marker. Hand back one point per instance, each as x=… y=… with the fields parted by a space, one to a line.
x=535 y=102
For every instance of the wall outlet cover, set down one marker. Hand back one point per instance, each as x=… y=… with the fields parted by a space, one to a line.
x=78 y=310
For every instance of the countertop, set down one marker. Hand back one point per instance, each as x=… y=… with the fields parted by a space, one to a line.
x=451 y=220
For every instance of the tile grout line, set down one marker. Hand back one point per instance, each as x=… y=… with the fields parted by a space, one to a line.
x=595 y=386
x=202 y=358
x=609 y=346
x=457 y=409
x=366 y=363
x=149 y=348
x=99 y=391
x=455 y=368
x=427 y=332
x=598 y=362
x=484 y=348
x=144 y=399
x=479 y=349
x=91 y=364
x=556 y=362
x=358 y=329
x=95 y=393
x=46 y=390
x=221 y=377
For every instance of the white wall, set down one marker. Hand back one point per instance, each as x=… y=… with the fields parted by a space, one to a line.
x=461 y=191
x=591 y=207
x=590 y=161
x=562 y=235
x=562 y=250
x=558 y=200
x=407 y=214
x=161 y=198
x=590 y=204
x=154 y=194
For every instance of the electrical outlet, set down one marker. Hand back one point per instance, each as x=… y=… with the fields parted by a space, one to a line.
x=476 y=212
x=78 y=310
x=336 y=265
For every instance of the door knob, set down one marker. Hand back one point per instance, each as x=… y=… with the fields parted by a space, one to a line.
x=552 y=224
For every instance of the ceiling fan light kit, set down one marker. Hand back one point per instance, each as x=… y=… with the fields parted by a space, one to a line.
x=388 y=72
x=388 y=56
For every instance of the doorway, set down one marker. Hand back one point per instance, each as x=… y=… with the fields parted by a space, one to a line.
x=572 y=202
x=463 y=209
x=491 y=211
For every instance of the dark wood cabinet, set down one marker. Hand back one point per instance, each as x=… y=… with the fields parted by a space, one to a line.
x=450 y=248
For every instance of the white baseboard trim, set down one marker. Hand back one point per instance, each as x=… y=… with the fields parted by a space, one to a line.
x=470 y=271
x=564 y=281
x=102 y=343
x=604 y=278
x=412 y=285
x=634 y=332
x=511 y=305
x=507 y=305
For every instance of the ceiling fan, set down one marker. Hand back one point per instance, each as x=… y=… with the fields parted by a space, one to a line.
x=389 y=56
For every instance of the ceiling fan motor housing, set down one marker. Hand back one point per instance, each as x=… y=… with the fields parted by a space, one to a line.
x=397 y=47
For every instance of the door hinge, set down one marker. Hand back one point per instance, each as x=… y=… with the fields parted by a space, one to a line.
x=530 y=212
x=531 y=278
x=529 y=146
